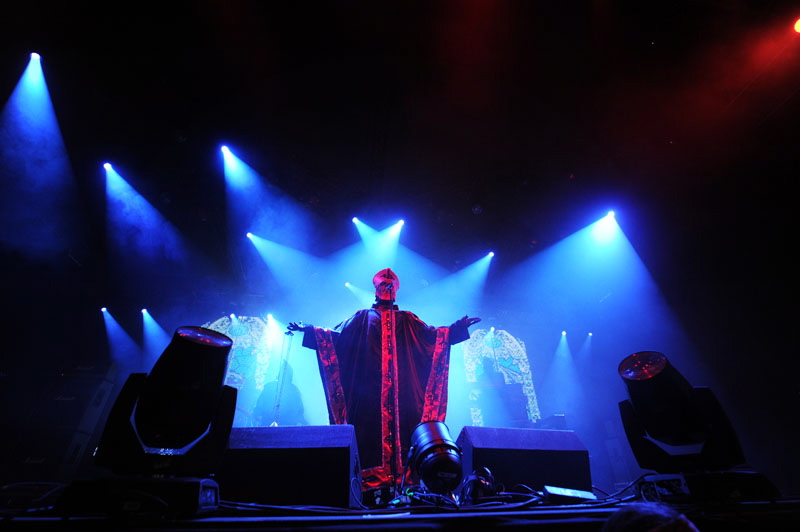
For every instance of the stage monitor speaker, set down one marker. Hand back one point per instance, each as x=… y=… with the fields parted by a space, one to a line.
x=292 y=466
x=531 y=457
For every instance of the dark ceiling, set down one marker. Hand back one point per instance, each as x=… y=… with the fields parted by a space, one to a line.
x=493 y=125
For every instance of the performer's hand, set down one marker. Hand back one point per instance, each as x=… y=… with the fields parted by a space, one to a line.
x=467 y=321
x=298 y=326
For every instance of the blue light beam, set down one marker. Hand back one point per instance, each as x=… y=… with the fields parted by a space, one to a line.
x=253 y=204
x=136 y=228
x=364 y=297
x=155 y=339
x=561 y=390
x=380 y=246
x=124 y=352
x=292 y=268
x=459 y=293
x=39 y=214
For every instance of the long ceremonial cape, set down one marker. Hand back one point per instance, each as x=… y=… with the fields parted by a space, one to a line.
x=379 y=362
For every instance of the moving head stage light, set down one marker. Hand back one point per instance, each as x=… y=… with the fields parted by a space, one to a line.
x=167 y=431
x=435 y=457
x=682 y=432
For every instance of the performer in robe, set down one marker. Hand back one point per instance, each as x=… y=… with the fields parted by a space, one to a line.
x=384 y=371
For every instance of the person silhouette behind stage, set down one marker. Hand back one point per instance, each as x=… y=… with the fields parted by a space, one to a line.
x=279 y=403
x=384 y=371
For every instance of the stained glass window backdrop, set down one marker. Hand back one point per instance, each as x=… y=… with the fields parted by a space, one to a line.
x=499 y=377
x=270 y=372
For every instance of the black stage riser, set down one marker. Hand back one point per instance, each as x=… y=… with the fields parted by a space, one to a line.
x=529 y=457
x=288 y=466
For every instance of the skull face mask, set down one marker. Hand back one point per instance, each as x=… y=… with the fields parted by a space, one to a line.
x=386 y=284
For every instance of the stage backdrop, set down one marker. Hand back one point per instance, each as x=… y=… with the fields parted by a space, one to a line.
x=279 y=384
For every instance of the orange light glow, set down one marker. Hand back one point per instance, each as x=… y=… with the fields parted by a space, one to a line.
x=797 y=26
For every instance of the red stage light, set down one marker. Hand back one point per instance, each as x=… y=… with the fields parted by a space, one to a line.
x=642 y=366
x=797 y=26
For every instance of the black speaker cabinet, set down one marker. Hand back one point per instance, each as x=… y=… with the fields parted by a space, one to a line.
x=291 y=466
x=533 y=457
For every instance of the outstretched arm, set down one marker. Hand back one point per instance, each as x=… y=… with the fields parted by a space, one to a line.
x=298 y=326
x=459 y=331
x=309 y=339
x=466 y=321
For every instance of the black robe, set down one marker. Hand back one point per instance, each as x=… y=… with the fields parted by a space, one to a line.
x=379 y=362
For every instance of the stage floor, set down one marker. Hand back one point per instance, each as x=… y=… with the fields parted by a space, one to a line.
x=29 y=507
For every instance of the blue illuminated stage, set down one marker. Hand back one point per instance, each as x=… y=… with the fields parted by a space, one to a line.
x=394 y=265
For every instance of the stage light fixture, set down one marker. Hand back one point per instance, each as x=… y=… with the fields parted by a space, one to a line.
x=165 y=436
x=671 y=425
x=435 y=457
x=175 y=420
x=682 y=433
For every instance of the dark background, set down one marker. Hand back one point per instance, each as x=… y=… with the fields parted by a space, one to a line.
x=493 y=125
